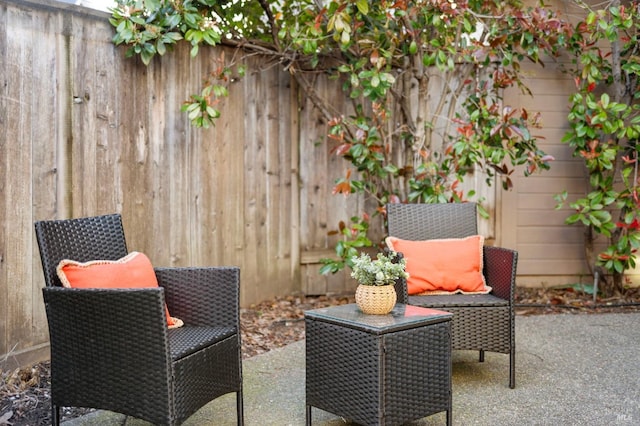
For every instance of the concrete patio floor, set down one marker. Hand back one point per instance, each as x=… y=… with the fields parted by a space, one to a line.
x=570 y=370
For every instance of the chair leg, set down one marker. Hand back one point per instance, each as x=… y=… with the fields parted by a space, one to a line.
x=512 y=368
x=481 y=356
x=55 y=415
x=240 y=408
x=308 y=422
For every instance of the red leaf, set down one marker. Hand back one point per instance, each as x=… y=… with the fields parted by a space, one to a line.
x=335 y=121
x=628 y=160
x=337 y=137
x=576 y=80
x=531 y=168
x=318 y=21
x=466 y=130
x=556 y=300
x=507 y=112
x=342 y=149
x=516 y=130
x=375 y=56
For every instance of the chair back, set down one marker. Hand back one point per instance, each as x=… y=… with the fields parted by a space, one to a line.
x=420 y=222
x=82 y=240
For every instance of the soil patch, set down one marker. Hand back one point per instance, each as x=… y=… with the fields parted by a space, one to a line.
x=573 y=300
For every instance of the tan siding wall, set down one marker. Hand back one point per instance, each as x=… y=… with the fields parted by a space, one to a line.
x=550 y=252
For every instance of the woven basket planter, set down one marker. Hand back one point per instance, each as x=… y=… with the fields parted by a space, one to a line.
x=376 y=299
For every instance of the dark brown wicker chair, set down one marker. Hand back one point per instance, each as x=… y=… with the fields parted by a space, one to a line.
x=111 y=349
x=480 y=322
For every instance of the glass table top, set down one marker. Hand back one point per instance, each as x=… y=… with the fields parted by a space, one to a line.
x=400 y=318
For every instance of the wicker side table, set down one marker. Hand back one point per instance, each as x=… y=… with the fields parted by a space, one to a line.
x=378 y=369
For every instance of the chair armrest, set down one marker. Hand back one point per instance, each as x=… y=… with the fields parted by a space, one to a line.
x=500 y=271
x=93 y=330
x=207 y=296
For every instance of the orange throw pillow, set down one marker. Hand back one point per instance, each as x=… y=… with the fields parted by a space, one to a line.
x=132 y=271
x=442 y=266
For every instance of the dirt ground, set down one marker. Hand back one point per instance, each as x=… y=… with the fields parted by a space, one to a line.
x=24 y=393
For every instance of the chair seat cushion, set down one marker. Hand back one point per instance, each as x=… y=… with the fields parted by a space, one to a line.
x=132 y=271
x=442 y=266
x=458 y=300
x=187 y=340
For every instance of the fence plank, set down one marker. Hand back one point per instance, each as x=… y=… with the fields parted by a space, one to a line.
x=17 y=156
x=5 y=181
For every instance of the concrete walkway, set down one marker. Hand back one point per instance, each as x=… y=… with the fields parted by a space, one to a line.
x=570 y=370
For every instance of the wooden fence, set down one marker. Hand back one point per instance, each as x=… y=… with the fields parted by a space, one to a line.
x=85 y=131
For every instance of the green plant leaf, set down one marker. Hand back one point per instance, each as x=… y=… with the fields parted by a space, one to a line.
x=363 y=6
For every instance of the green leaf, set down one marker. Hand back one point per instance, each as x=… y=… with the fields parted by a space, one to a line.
x=594 y=220
x=573 y=218
x=328 y=268
x=212 y=112
x=345 y=37
x=173 y=36
x=429 y=60
x=192 y=19
x=173 y=20
x=363 y=6
x=413 y=47
x=146 y=56
x=152 y=5
x=194 y=113
x=618 y=266
x=220 y=91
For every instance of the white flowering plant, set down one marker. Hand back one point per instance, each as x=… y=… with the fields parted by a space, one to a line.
x=381 y=271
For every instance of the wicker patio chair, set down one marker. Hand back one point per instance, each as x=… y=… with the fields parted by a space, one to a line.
x=111 y=348
x=481 y=322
